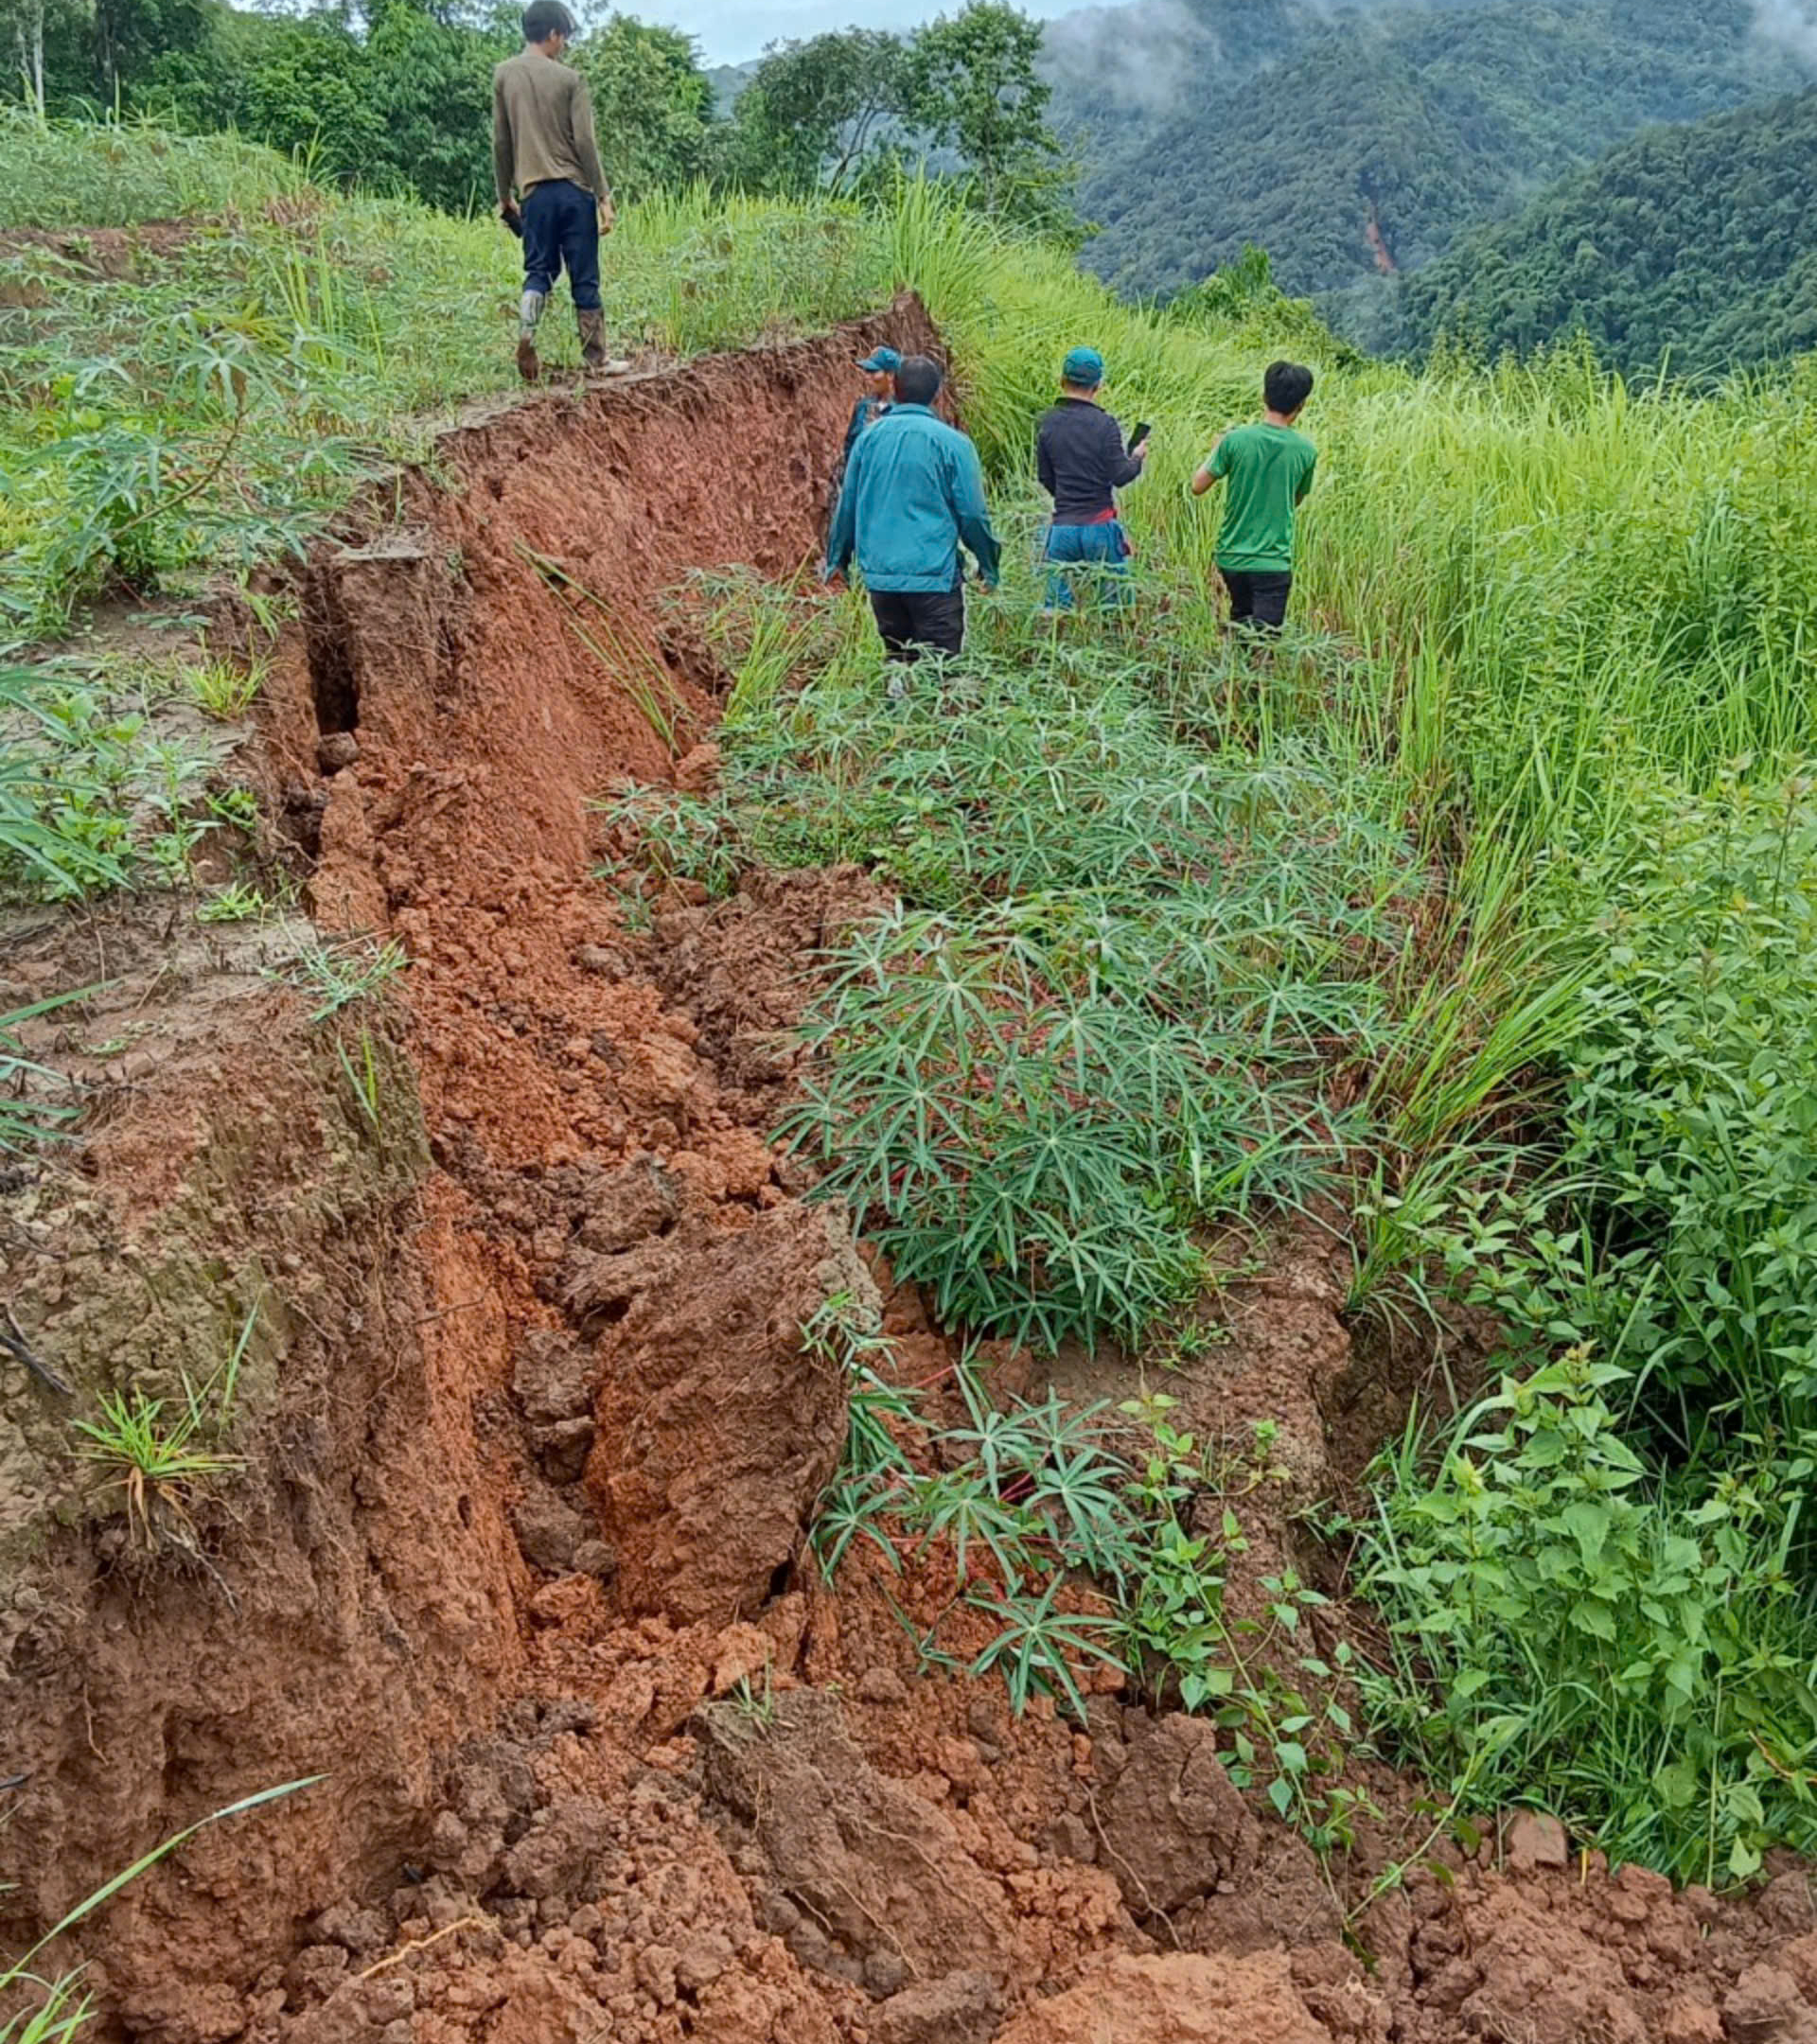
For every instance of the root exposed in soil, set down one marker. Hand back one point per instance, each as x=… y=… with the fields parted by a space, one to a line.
x=533 y=1436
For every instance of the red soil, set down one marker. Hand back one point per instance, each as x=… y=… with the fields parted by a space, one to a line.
x=531 y=1436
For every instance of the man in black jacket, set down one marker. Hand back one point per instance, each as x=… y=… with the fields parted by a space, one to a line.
x=1081 y=459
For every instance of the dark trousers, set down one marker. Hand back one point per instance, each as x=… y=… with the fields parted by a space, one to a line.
x=913 y=621
x=1257 y=602
x=561 y=231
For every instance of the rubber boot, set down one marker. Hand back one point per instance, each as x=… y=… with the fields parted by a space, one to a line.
x=529 y=315
x=593 y=339
x=593 y=358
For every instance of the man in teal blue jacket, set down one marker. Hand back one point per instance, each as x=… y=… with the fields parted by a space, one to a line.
x=913 y=492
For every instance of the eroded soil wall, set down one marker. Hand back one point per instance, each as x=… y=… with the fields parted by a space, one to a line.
x=356 y=1603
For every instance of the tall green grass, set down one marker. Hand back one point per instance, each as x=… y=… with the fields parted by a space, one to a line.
x=210 y=410
x=1565 y=584
x=1163 y=956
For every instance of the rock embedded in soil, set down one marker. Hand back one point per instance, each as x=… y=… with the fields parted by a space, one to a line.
x=594 y=1558
x=563 y=1448
x=1180 y=1998
x=1766 y=2006
x=718 y=1427
x=563 y=1855
x=550 y=1532
x=1534 y=1839
x=1691 y=2020
x=959 y=2008
x=881 y=1684
x=629 y=1204
x=553 y=1377
x=872 y=1864
x=1176 y=1827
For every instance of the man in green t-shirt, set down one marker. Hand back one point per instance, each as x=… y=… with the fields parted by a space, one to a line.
x=1269 y=469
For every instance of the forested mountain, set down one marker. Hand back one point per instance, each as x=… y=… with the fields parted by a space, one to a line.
x=1694 y=244
x=1358 y=144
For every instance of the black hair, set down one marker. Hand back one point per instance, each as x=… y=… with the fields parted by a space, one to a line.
x=544 y=18
x=1286 y=386
x=919 y=380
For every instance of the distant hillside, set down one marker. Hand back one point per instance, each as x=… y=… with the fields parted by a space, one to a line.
x=1698 y=243
x=1358 y=145
x=727 y=82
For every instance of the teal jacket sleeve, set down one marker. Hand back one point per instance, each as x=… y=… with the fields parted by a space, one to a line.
x=843 y=536
x=971 y=514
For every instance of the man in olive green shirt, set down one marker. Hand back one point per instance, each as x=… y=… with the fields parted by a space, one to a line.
x=1269 y=469
x=544 y=146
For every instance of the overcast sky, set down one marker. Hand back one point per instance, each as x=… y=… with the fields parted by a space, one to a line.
x=728 y=32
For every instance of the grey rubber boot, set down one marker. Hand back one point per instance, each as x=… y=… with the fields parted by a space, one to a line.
x=529 y=317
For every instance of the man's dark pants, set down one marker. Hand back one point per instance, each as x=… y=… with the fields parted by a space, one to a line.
x=561 y=231
x=1257 y=602
x=914 y=622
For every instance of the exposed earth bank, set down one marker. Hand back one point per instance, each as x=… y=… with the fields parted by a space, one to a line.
x=532 y=1432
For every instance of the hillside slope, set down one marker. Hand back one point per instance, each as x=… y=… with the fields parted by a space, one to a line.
x=1370 y=144
x=1691 y=243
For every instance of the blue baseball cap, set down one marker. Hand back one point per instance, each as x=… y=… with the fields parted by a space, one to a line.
x=1083 y=368
x=882 y=361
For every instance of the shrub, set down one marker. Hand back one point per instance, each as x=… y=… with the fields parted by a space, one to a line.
x=1568 y=1631
x=1692 y=1108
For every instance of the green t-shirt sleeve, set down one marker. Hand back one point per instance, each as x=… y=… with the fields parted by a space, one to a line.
x=1218 y=461
x=1306 y=475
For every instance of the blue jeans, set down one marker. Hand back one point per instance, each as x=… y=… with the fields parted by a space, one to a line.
x=1103 y=550
x=561 y=229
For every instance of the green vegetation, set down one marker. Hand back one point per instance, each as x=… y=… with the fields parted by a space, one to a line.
x=1349 y=147
x=161 y=1463
x=93 y=792
x=353 y=970
x=141 y=442
x=1128 y=988
x=399 y=99
x=1482 y=906
x=1567 y=608
x=1070 y=1547
x=849 y=112
x=224 y=687
x=1689 y=248
x=1637 y=1660
x=27 y=1119
x=235 y=902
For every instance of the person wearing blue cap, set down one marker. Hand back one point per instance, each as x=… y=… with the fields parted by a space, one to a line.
x=879 y=368
x=913 y=495
x=1082 y=460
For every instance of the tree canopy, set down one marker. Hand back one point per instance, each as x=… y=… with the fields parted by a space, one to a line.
x=1691 y=245
x=1355 y=148
x=398 y=97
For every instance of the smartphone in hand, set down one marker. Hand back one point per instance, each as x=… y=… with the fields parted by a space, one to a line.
x=1141 y=434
